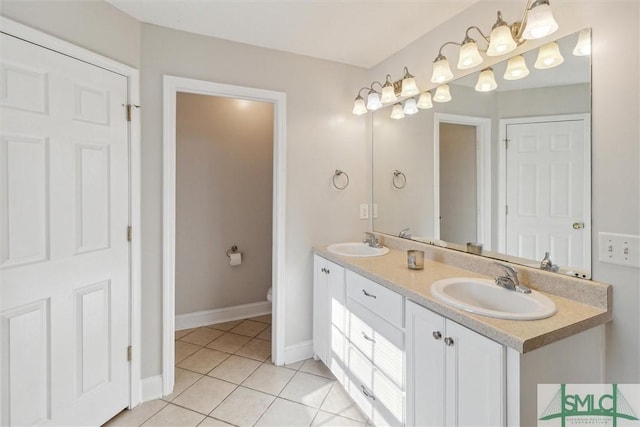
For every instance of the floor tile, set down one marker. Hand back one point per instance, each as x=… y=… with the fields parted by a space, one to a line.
x=137 y=415
x=234 y=369
x=184 y=349
x=316 y=367
x=172 y=415
x=243 y=407
x=256 y=349
x=229 y=342
x=249 y=328
x=183 y=379
x=307 y=389
x=285 y=413
x=327 y=419
x=295 y=366
x=212 y=422
x=338 y=402
x=225 y=326
x=265 y=335
x=202 y=336
x=264 y=319
x=205 y=394
x=203 y=360
x=269 y=379
x=180 y=334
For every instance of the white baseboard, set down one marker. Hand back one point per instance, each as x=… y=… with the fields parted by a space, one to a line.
x=151 y=388
x=219 y=315
x=297 y=352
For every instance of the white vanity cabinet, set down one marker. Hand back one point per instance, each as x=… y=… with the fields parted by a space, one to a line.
x=455 y=377
x=328 y=305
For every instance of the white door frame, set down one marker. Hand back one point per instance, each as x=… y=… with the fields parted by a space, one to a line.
x=37 y=37
x=172 y=85
x=502 y=174
x=483 y=165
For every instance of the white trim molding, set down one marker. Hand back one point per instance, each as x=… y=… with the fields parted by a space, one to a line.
x=171 y=86
x=152 y=388
x=31 y=35
x=297 y=352
x=219 y=315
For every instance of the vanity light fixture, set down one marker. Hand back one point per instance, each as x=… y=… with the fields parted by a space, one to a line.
x=441 y=69
x=424 y=101
x=359 y=107
x=501 y=38
x=388 y=92
x=539 y=21
x=549 y=56
x=373 y=98
x=409 y=87
x=410 y=106
x=469 y=55
x=486 y=81
x=443 y=94
x=397 y=113
x=583 y=47
x=516 y=68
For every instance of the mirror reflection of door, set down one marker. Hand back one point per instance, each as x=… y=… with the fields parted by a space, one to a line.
x=547 y=191
x=458 y=175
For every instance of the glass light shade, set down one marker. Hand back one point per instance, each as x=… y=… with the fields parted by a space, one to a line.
x=516 y=68
x=424 y=101
x=469 y=56
x=410 y=106
x=540 y=22
x=486 y=81
x=548 y=56
x=396 y=112
x=409 y=87
x=583 y=47
x=388 y=94
x=443 y=94
x=373 y=101
x=441 y=71
x=501 y=41
x=358 y=106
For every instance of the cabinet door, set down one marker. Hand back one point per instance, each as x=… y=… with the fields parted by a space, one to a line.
x=425 y=366
x=328 y=285
x=475 y=378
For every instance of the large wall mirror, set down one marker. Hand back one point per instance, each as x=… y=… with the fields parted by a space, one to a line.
x=508 y=170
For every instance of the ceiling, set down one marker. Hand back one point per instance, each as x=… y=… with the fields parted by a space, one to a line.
x=356 y=32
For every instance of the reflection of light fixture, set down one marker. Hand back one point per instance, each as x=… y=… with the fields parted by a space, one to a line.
x=410 y=106
x=373 y=100
x=469 y=56
x=583 y=47
x=358 y=106
x=388 y=93
x=516 y=68
x=539 y=21
x=424 y=101
x=548 y=56
x=396 y=112
x=409 y=87
x=501 y=39
x=486 y=81
x=442 y=94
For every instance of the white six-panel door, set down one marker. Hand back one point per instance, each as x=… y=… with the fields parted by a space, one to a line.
x=547 y=192
x=64 y=255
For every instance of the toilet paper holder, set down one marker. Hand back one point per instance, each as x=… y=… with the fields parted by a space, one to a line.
x=233 y=250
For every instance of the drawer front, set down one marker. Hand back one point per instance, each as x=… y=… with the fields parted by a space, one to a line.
x=378 y=340
x=376 y=298
x=378 y=397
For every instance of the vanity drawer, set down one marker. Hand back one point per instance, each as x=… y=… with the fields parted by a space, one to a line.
x=382 y=343
x=376 y=298
x=378 y=397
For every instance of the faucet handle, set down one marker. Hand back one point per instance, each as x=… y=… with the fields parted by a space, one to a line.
x=511 y=272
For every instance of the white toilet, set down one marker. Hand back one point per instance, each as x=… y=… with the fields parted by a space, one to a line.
x=269 y=295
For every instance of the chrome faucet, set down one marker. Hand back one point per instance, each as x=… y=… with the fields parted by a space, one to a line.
x=405 y=233
x=510 y=280
x=371 y=240
x=547 y=264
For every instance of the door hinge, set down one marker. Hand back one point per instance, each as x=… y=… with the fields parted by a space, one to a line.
x=129 y=233
x=506 y=143
x=129 y=351
x=129 y=108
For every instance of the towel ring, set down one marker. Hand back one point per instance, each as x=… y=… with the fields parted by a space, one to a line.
x=396 y=174
x=337 y=174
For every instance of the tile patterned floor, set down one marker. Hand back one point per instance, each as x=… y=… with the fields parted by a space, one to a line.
x=224 y=376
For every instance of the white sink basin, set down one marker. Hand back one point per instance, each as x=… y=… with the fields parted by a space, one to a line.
x=482 y=296
x=356 y=249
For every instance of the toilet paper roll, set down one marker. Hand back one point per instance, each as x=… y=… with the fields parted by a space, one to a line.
x=235 y=258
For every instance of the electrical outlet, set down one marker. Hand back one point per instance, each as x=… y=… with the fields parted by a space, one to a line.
x=619 y=249
x=364 y=211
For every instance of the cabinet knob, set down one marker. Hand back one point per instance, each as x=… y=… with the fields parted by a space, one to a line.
x=368 y=338
x=448 y=341
x=367 y=294
x=328 y=271
x=437 y=335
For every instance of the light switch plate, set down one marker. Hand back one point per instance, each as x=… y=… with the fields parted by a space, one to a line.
x=619 y=249
x=364 y=211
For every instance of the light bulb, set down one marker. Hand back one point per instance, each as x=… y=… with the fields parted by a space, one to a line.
x=516 y=68
x=442 y=94
x=540 y=21
x=358 y=106
x=410 y=106
x=501 y=41
x=583 y=47
x=396 y=112
x=373 y=101
x=486 y=81
x=424 y=101
x=441 y=70
x=388 y=93
x=409 y=87
x=549 y=56
x=469 y=56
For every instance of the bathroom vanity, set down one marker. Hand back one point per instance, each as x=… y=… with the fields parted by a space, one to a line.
x=408 y=359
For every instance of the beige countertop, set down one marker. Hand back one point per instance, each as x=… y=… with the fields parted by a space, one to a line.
x=522 y=335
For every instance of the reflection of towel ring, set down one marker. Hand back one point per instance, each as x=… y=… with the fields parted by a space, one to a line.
x=396 y=174
x=337 y=174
